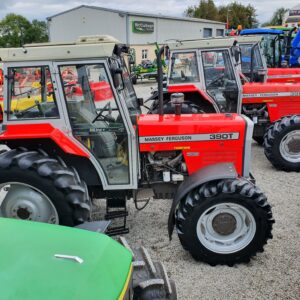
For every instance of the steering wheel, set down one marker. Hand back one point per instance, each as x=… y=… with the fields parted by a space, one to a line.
x=220 y=77
x=106 y=118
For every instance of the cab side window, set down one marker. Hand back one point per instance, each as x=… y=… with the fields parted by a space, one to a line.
x=31 y=94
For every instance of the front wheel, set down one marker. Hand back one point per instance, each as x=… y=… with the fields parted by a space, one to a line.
x=224 y=222
x=282 y=143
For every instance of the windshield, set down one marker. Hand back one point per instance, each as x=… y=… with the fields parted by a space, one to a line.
x=272 y=49
x=184 y=67
x=246 y=57
x=220 y=79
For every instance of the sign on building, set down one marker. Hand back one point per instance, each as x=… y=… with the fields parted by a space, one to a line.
x=142 y=27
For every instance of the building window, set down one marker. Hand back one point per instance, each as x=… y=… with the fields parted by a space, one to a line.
x=207 y=32
x=220 y=32
x=145 y=54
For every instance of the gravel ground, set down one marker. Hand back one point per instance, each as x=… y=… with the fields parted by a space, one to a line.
x=273 y=274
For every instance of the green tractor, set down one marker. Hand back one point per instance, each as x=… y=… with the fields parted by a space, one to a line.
x=43 y=261
x=147 y=69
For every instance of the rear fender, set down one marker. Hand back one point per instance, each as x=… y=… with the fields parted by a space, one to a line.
x=207 y=174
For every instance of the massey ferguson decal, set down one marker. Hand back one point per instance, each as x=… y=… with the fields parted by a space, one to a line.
x=265 y=95
x=189 y=138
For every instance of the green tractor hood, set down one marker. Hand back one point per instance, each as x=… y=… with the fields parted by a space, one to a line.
x=32 y=265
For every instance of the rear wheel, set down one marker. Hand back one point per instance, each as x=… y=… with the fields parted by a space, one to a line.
x=282 y=143
x=224 y=222
x=39 y=188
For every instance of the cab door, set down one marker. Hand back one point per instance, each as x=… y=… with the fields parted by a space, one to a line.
x=97 y=120
x=221 y=79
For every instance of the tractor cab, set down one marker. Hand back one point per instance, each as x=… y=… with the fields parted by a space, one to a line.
x=206 y=67
x=253 y=63
x=80 y=88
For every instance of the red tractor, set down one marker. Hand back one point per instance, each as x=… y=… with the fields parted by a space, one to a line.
x=254 y=65
x=216 y=86
x=65 y=152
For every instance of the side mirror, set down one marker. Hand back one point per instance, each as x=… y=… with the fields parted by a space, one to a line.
x=236 y=52
x=117 y=78
x=140 y=101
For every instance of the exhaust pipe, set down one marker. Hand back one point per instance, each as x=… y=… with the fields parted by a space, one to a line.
x=160 y=81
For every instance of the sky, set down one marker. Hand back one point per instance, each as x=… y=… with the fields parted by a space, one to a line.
x=40 y=9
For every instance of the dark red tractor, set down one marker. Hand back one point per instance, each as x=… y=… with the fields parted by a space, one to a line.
x=64 y=152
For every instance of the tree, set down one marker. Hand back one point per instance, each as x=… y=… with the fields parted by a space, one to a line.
x=38 y=32
x=277 y=18
x=15 y=31
x=238 y=14
x=205 y=10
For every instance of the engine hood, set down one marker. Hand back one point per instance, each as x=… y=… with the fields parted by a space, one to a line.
x=30 y=270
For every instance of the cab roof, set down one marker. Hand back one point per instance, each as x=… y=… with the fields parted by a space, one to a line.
x=202 y=43
x=249 y=39
x=261 y=31
x=85 y=47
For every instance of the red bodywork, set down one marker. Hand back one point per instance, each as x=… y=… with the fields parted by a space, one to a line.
x=283 y=75
x=42 y=131
x=101 y=90
x=200 y=153
x=282 y=99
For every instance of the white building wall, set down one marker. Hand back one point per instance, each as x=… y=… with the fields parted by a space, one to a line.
x=141 y=38
x=86 y=21
x=173 y=29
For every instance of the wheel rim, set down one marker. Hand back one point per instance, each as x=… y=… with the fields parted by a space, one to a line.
x=290 y=146
x=22 y=201
x=226 y=228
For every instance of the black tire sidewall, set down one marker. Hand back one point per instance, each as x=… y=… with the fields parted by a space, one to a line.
x=278 y=158
x=198 y=250
x=46 y=186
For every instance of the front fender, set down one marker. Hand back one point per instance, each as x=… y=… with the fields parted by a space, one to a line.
x=209 y=173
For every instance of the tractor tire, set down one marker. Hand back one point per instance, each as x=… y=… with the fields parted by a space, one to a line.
x=224 y=222
x=259 y=140
x=43 y=189
x=282 y=143
x=150 y=279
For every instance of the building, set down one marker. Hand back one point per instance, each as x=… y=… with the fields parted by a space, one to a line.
x=140 y=31
x=292 y=17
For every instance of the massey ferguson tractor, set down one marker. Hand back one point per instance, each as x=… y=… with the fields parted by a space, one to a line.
x=64 y=152
x=208 y=73
x=254 y=65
